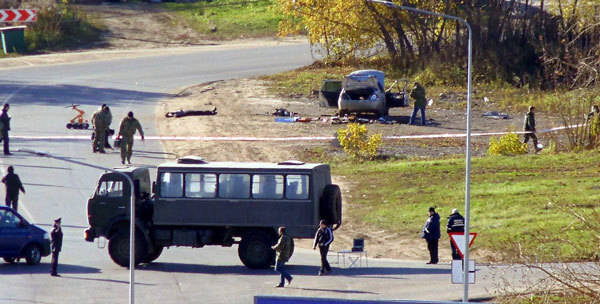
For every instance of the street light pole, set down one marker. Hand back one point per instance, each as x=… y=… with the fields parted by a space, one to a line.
x=468 y=141
x=131 y=214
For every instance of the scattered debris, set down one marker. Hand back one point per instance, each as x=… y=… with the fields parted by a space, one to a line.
x=496 y=115
x=182 y=113
x=283 y=112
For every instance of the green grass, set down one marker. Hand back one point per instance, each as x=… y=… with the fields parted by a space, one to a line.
x=516 y=201
x=232 y=18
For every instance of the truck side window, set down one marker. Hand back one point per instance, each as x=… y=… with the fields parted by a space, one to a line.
x=171 y=184
x=296 y=187
x=234 y=185
x=111 y=189
x=267 y=186
x=200 y=185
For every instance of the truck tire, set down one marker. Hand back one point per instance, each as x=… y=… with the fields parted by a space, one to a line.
x=118 y=248
x=151 y=257
x=255 y=250
x=331 y=205
x=32 y=254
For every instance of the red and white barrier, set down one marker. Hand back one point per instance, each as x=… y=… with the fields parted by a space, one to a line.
x=18 y=15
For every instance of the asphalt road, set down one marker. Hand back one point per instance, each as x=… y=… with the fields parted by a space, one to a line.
x=40 y=97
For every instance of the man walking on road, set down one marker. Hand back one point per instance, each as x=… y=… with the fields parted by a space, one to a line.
x=5 y=122
x=100 y=121
x=323 y=238
x=456 y=223
x=431 y=234
x=529 y=127
x=418 y=94
x=126 y=131
x=13 y=185
x=284 y=249
x=56 y=243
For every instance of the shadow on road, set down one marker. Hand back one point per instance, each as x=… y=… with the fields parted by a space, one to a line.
x=65 y=95
x=372 y=272
x=335 y=290
x=22 y=268
x=105 y=280
x=41 y=167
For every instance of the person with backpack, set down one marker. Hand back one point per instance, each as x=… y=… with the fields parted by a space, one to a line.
x=323 y=238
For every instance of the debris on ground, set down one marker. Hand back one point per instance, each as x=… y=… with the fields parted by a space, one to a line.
x=182 y=113
x=496 y=115
x=283 y=112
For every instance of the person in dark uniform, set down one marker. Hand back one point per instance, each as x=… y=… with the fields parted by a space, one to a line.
x=529 y=127
x=13 y=185
x=323 y=238
x=126 y=131
x=57 y=237
x=5 y=120
x=456 y=223
x=431 y=234
x=284 y=249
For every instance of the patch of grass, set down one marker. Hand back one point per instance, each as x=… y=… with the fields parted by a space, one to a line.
x=521 y=200
x=229 y=19
x=61 y=26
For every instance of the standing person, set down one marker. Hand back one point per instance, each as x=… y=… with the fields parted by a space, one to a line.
x=456 y=223
x=56 y=243
x=5 y=120
x=13 y=185
x=418 y=94
x=126 y=131
x=593 y=119
x=109 y=118
x=323 y=238
x=529 y=127
x=431 y=234
x=284 y=249
x=100 y=123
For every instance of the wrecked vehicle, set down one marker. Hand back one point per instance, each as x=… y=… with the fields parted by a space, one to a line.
x=363 y=92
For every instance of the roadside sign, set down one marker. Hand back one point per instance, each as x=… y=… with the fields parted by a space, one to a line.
x=458 y=239
x=458 y=270
x=18 y=15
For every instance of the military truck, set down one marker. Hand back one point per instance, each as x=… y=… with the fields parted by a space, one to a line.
x=196 y=203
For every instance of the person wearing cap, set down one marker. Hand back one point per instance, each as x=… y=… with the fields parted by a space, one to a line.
x=431 y=234
x=13 y=185
x=529 y=128
x=126 y=131
x=56 y=243
x=5 y=120
x=418 y=94
x=456 y=223
x=284 y=249
x=100 y=121
x=323 y=238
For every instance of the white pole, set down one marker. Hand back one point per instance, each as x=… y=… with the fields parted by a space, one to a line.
x=468 y=173
x=131 y=214
x=468 y=142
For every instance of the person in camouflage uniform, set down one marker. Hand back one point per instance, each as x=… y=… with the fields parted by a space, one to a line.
x=101 y=120
x=593 y=119
x=284 y=249
x=126 y=131
x=418 y=94
x=529 y=127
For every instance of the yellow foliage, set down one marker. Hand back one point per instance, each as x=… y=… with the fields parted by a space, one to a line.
x=508 y=144
x=357 y=143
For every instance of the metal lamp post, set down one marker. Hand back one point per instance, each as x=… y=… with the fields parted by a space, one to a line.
x=468 y=142
x=131 y=214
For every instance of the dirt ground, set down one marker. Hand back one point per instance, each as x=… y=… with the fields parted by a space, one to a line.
x=244 y=108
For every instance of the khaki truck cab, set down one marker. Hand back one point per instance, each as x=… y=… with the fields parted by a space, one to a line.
x=195 y=203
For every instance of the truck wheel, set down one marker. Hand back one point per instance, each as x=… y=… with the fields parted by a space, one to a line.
x=331 y=205
x=154 y=255
x=255 y=250
x=32 y=254
x=10 y=260
x=118 y=248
